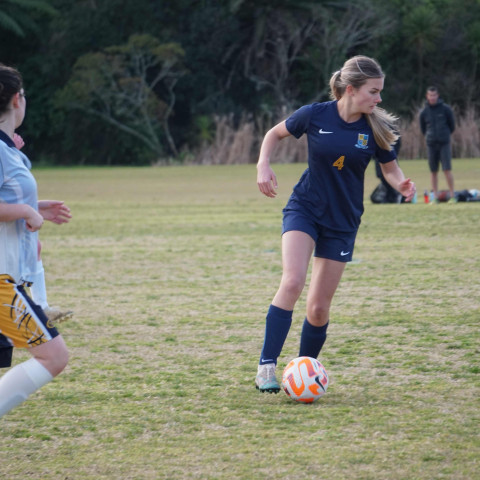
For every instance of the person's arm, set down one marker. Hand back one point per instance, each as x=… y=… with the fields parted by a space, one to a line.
x=394 y=176
x=266 y=179
x=11 y=212
x=423 y=126
x=450 y=120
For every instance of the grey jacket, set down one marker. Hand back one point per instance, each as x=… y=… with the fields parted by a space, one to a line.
x=437 y=122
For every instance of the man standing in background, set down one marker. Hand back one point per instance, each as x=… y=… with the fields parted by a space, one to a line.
x=437 y=124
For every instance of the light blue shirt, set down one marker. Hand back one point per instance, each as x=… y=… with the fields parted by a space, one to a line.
x=18 y=246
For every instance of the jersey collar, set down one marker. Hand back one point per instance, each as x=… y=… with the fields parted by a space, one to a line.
x=6 y=139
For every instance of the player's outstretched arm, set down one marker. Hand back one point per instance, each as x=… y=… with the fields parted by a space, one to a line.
x=394 y=176
x=266 y=178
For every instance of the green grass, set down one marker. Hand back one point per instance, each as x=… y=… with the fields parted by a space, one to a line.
x=170 y=272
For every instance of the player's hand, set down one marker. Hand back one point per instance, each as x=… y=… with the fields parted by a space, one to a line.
x=266 y=180
x=18 y=141
x=33 y=220
x=407 y=189
x=55 y=211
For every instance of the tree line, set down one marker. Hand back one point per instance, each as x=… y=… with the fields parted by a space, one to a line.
x=123 y=82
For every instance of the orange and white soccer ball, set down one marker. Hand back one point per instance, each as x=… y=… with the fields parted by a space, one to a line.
x=305 y=379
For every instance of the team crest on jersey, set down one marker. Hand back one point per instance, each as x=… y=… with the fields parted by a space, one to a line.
x=362 y=141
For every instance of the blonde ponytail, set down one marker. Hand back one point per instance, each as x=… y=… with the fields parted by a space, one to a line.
x=383 y=123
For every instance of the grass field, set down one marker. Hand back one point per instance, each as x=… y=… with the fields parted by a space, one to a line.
x=170 y=272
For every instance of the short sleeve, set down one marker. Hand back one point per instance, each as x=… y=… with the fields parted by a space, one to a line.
x=384 y=156
x=297 y=123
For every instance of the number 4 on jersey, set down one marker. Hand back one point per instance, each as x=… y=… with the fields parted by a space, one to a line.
x=339 y=162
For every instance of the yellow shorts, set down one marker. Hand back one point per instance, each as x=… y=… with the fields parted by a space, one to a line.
x=23 y=324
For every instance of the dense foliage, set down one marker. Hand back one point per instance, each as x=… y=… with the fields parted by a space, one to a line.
x=132 y=82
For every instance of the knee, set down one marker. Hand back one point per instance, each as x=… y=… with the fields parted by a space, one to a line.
x=55 y=364
x=293 y=285
x=60 y=361
x=318 y=314
x=53 y=356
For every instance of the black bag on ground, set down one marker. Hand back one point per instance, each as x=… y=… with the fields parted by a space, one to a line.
x=379 y=195
x=465 y=196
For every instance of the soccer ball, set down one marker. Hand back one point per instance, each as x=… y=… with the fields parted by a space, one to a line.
x=305 y=379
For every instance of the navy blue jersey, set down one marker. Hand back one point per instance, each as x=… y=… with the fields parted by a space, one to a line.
x=331 y=189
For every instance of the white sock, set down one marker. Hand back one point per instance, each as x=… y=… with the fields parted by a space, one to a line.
x=21 y=381
x=39 y=289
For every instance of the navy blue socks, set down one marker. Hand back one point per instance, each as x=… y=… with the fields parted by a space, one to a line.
x=277 y=326
x=312 y=339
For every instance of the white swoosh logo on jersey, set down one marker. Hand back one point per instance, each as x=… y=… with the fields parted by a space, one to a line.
x=321 y=131
x=342 y=253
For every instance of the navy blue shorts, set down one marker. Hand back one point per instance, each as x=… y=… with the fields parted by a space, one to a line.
x=329 y=243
